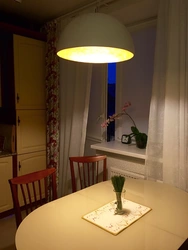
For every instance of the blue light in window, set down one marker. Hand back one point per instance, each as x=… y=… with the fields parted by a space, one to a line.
x=111 y=73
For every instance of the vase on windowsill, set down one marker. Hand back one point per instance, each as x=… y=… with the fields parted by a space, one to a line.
x=141 y=138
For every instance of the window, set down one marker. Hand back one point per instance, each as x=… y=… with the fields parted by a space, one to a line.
x=111 y=99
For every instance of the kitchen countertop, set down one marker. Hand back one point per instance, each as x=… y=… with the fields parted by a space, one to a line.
x=6 y=154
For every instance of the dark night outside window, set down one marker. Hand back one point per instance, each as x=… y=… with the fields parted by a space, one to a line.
x=111 y=99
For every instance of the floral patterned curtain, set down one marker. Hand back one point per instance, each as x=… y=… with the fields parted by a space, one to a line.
x=52 y=95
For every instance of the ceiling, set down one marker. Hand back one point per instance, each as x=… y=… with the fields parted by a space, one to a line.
x=41 y=11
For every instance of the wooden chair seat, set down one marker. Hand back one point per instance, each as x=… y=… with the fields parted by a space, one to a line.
x=87 y=170
x=32 y=190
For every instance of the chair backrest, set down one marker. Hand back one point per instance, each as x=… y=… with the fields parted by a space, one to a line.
x=87 y=170
x=32 y=190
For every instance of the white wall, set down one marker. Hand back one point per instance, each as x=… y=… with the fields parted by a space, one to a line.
x=134 y=81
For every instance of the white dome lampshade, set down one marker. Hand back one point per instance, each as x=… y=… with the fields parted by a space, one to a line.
x=95 y=38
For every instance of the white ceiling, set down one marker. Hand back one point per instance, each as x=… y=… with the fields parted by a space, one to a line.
x=41 y=11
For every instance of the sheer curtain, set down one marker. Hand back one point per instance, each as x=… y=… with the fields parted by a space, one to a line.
x=68 y=95
x=167 y=150
x=75 y=83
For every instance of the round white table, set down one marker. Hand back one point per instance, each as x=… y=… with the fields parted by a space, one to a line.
x=59 y=224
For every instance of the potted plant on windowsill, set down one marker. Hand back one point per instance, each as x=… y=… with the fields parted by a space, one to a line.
x=140 y=138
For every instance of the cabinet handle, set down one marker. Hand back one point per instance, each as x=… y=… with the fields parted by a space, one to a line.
x=19 y=166
x=18 y=98
x=18 y=120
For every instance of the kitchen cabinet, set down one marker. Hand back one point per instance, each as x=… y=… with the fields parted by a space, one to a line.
x=29 y=73
x=31 y=162
x=22 y=67
x=29 y=76
x=5 y=175
x=31 y=131
x=28 y=163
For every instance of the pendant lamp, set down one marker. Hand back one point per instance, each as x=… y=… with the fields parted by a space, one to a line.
x=95 y=38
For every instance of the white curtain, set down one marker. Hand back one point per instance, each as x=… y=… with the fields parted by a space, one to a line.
x=167 y=148
x=75 y=82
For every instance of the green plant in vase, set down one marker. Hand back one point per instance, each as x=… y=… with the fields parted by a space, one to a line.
x=118 y=184
x=140 y=138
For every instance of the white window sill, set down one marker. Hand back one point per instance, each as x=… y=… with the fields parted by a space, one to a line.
x=116 y=147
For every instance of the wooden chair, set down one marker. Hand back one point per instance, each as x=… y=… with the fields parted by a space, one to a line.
x=32 y=190
x=87 y=170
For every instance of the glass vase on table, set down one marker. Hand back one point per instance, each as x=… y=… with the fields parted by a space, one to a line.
x=119 y=202
x=118 y=184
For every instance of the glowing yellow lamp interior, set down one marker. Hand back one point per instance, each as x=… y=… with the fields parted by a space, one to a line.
x=95 y=54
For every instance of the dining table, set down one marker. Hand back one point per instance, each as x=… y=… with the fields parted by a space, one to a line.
x=60 y=224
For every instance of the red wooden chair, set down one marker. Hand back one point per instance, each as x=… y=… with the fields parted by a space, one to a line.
x=32 y=190
x=87 y=170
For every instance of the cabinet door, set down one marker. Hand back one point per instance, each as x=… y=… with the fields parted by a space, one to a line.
x=5 y=175
x=29 y=71
x=31 y=162
x=31 y=131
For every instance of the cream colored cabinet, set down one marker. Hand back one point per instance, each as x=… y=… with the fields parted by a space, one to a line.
x=31 y=131
x=30 y=105
x=29 y=73
x=32 y=162
x=5 y=175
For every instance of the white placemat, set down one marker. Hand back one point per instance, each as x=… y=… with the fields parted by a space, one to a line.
x=105 y=218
